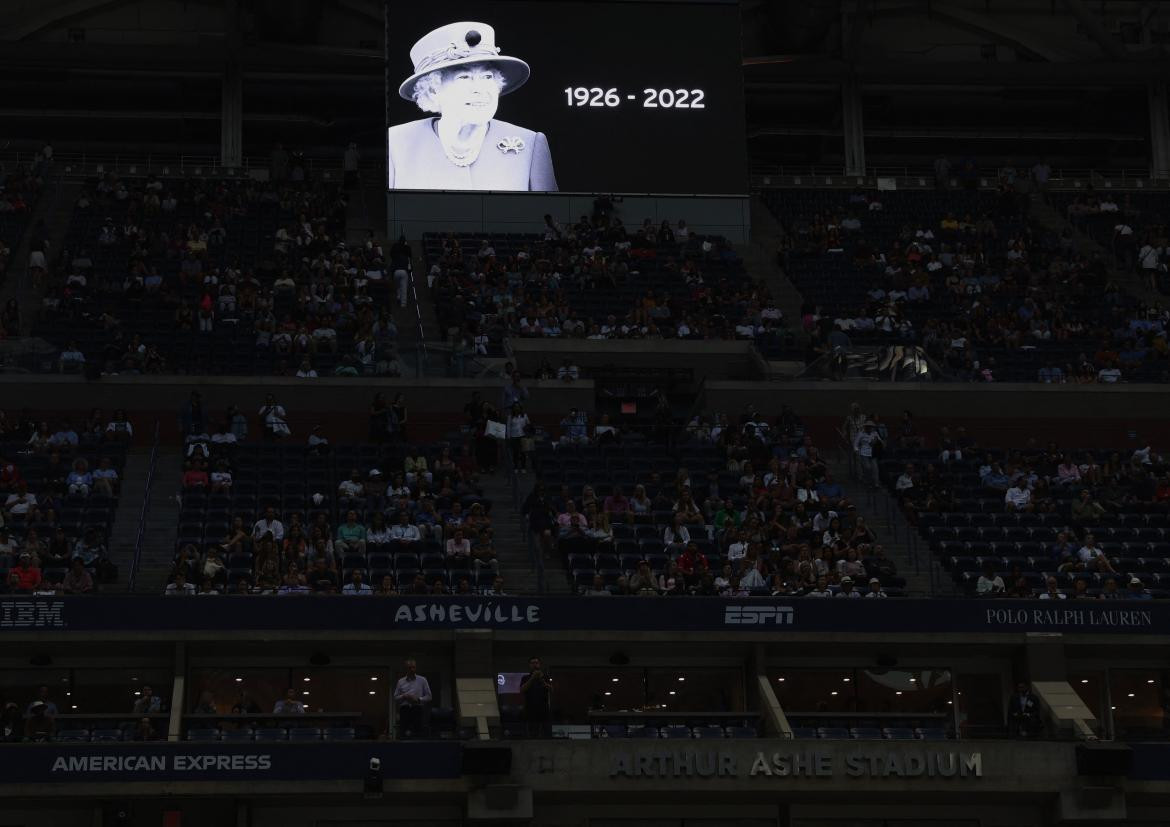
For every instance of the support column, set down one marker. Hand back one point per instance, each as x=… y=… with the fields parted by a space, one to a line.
x=852 y=123
x=1156 y=99
x=178 y=694
x=231 y=129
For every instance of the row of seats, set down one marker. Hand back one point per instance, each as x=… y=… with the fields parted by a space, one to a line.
x=673 y=731
x=272 y=734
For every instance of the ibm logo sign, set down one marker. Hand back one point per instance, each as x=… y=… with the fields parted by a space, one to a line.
x=757 y=616
x=31 y=614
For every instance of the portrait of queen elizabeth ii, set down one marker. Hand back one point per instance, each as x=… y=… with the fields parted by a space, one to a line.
x=459 y=76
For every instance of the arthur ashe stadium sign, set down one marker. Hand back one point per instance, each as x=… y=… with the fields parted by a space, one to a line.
x=124 y=613
x=689 y=763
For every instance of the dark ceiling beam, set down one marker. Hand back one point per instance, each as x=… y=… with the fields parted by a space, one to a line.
x=1092 y=26
x=206 y=56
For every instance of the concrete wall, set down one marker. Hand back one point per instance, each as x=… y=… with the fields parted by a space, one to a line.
x=415 y=213
x=714 y=359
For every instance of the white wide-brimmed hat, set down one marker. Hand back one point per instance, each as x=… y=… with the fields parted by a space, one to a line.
x=458 y=44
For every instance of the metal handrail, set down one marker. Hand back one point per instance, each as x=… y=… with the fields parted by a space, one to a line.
x=145 y=510
x=422 y=339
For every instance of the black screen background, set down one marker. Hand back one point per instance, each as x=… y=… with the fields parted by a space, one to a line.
x=627 y=45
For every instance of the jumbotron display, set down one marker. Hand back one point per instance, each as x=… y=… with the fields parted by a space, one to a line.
x=624 y=97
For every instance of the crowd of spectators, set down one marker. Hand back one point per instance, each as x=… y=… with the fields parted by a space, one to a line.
x=394 y=518
x=236 y=276
x=738 y=507
x=1039 y=521
x=58 y=490
x=1132 y=226
x=596 y=279
x=990 y=295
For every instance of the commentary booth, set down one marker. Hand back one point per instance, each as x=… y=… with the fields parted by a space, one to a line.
x=684 y=712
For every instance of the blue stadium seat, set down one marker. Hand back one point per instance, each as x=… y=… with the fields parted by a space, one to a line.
x=202 y=734
x=72 y=735
x=339 y=733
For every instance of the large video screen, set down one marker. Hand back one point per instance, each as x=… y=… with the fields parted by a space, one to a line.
x=623 y=97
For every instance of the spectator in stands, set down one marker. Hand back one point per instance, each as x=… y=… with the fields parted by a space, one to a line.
x=147 y=702
x=821 y=589
x=575 y=427
x=846 y=589
x=289 y=704
x=357 y=584
x=77 y=580
x=458 y=547
x=179 y=587
x=412 y=698
x=1019 y=496
x=989 y=584
x=1052 y=590
x=864 y=445
x=274 y=418
x=1086 y=510
x=875 y=589
x=268 y=526
x=1137 y=590
x=351 y=535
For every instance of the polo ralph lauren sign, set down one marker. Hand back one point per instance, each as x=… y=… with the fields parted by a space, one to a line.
x=750 y=616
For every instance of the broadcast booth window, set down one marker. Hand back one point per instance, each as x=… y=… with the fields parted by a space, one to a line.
x=600 y=96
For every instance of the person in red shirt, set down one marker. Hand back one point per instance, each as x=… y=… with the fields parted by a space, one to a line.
x=10 y=477
x=28 y=576
x=691 y=560
x=196 y=475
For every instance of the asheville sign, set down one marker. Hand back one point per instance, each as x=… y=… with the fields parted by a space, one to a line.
x=117 y=613
x=78 y=763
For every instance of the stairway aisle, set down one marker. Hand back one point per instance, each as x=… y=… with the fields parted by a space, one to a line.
x=510 y=530
x=125 y=530
x=162 y=523
x=55 y=206
x=1052 y=219
x=893 y=532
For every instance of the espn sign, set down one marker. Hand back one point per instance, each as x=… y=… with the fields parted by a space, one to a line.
x=757 y=616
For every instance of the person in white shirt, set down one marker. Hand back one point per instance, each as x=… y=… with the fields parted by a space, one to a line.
x=1090 y=551
x=1018 y=497
x=989 y=584
x=517 y=429
x=268 y=524
x=847 y=590
x=1052 y=590
x=352 y=487
x=412 y=693
x=404 y=531
x=821 y=590
x=356 y=584
x=864 y=444
x=179 y=586
x=875 y=588
x=905 y=480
